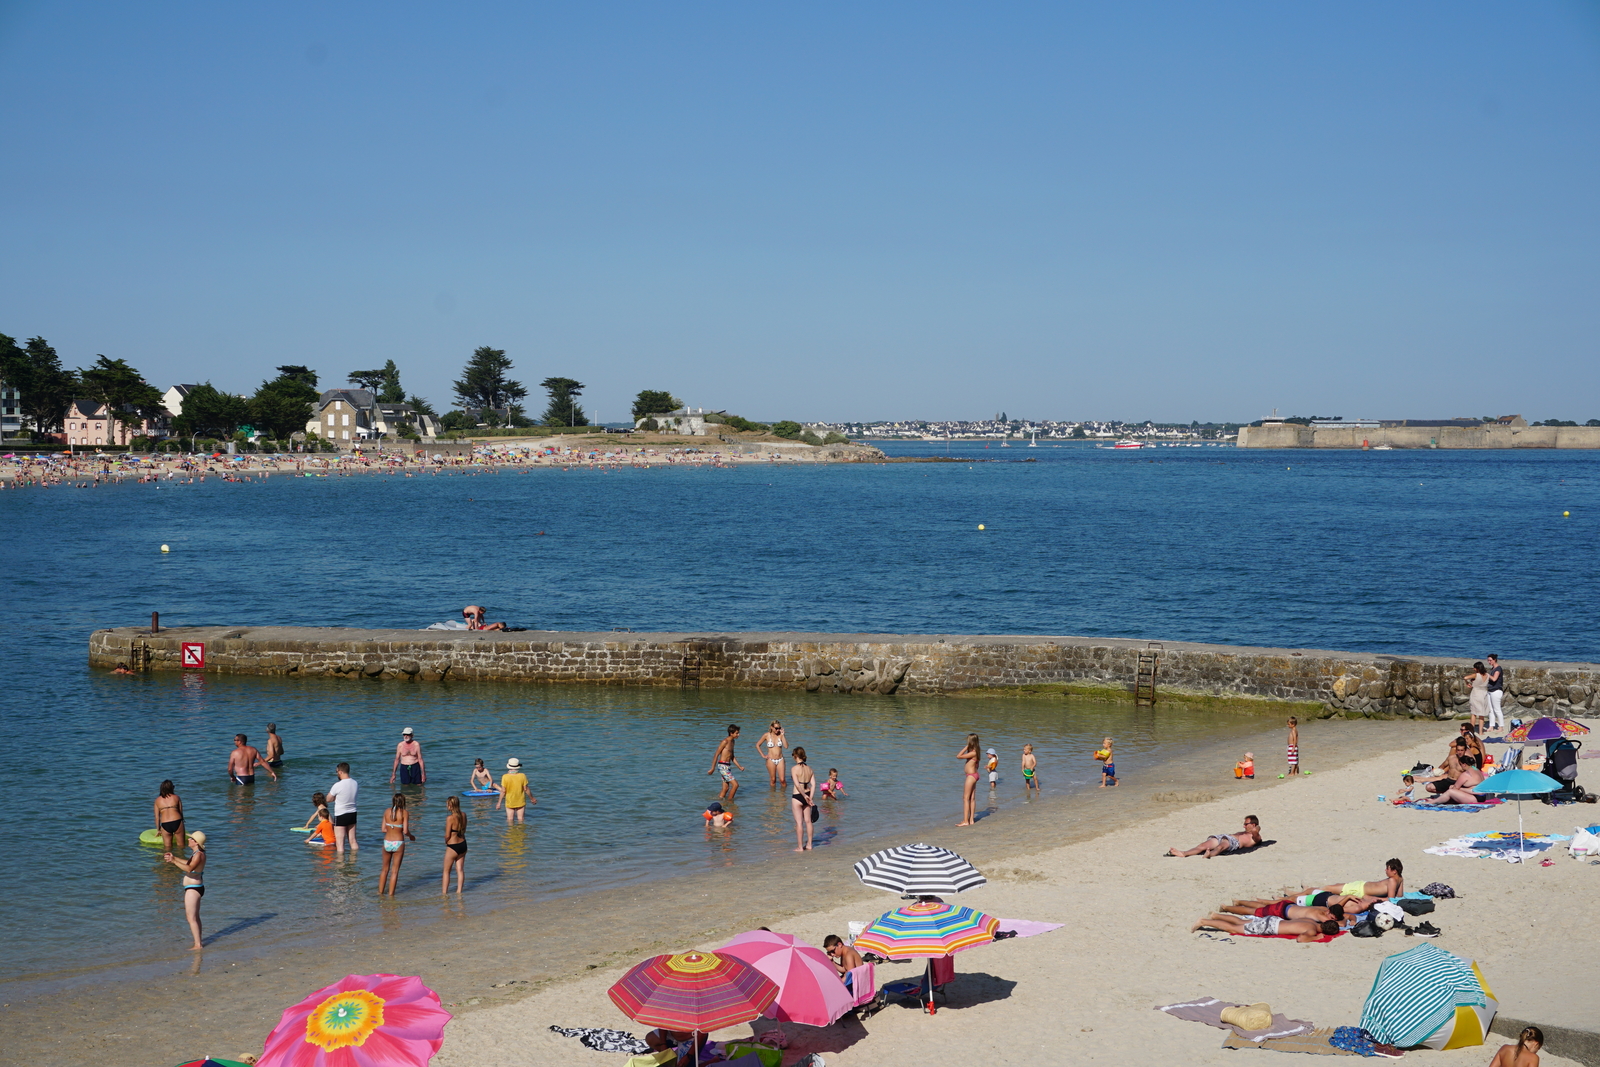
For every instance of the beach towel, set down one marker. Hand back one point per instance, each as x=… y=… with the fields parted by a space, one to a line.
x=604 y=1040
x=1453 y=807
x=1324 y=939
x=1208 y=1010
x=1496 y=845
x=1316 y=1042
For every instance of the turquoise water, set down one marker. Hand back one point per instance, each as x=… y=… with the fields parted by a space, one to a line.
x=1426 y=552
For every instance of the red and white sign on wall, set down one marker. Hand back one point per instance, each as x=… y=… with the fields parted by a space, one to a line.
x=194 y=655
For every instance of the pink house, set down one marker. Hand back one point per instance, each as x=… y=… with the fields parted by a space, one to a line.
x=88 y=423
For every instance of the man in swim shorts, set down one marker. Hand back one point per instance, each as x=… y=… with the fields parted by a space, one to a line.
x=724 y=762
x=341 y=798
x=1284 y=909
x=244 y=758
x=1268 y=926
x=1217 y=844
x=408 y=760
x=1392 y=885
x=274 y=746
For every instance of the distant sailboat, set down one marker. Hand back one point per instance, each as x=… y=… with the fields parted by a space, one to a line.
x=1035 y=442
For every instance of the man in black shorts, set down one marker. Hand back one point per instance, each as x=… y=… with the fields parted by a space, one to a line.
x=243 y=759
x=342 y=799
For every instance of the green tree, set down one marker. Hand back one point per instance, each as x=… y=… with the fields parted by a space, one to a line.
x=208 y=411
x=304 y=375
x=483 y=382
x=786 y=428
x=44 y=385
x=128 y=398
x=389 y=391
x=283 y=405
x=370 y=380
x=563 y=409
x=421 y=406
x=739 y=422
x=654 y=402
x=456 y=420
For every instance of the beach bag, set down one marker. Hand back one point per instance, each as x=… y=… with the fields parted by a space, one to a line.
x=1413 y=906
x=1584 y=843
x=1366 y=928
x=1439 y=890
x=816 y=813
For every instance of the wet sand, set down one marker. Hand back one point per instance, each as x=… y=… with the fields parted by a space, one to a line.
x=226 y=1002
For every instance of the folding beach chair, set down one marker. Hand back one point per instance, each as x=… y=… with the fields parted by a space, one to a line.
x=867 y=1001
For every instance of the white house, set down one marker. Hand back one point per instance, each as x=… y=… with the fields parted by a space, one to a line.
x=172 y=399
x=686 y=420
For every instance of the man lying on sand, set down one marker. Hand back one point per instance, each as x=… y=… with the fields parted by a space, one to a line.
x=1392 y=885
x=1268 y=926
x=1217 y=844
x=1285 y=909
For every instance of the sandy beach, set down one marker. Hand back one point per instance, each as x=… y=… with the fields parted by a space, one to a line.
x=1094 y=863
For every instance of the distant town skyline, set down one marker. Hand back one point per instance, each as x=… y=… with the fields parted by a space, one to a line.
x=830 y=212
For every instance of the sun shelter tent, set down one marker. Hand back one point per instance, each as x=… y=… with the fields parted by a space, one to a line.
x=1427 y=996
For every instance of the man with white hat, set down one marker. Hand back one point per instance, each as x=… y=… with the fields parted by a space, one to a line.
x=408 y=760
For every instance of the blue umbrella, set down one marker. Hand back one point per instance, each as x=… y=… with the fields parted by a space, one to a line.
x=1518 y=784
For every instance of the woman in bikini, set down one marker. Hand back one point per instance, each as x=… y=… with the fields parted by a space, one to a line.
x=194 y=882
x=969 y=788
x=396 y=828
x=169 y=818
x=802 y=800
x=481 y=778
x=771 y=747
x=455 y=845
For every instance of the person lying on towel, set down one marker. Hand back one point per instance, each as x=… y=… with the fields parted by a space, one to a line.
x=1304 y=930
x=1217 y=844
x=1286 y=909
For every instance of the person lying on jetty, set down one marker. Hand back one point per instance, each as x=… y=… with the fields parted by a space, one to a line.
x=1285 y=909
x=1304 y=930
x=473 y=614
x=1393 y=884
x=1217 y=844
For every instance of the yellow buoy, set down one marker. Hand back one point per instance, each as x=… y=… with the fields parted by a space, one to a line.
x=980 y=525
x=164 y=548
x=1566 y=514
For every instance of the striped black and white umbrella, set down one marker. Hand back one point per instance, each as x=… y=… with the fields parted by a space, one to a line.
x=917 y=870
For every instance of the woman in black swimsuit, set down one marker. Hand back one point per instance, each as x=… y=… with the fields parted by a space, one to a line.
x=455 y=845
x=803 y=799
x=169 y=818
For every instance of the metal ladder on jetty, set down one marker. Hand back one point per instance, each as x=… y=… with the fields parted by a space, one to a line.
x=689 y=678
x=1144 y=680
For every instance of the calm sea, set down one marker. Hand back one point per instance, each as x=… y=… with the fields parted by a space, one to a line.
x=1456 y=553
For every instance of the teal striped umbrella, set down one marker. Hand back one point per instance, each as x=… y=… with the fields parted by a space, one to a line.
x=1427 y=996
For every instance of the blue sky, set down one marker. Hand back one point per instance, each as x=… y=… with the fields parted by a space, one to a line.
x=823 y=211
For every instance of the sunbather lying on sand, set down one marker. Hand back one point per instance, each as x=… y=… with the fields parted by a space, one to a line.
x=1285 y=909
x=1217 y=844
x=1392 y=885
x=1268 y=926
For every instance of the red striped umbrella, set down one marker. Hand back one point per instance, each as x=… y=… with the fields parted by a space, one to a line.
x=698 y=991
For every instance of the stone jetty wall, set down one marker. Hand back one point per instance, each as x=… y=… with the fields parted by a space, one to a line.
x=1293 y=435
x=1329 y=683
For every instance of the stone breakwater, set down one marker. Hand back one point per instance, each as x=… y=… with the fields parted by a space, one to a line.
x=1327 y=683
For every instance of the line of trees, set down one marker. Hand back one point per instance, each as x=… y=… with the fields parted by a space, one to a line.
x=46 y=388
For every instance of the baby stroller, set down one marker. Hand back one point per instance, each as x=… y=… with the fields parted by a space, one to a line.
x=1561 y=763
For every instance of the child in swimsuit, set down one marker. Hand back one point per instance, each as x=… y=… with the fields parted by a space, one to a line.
x=396 y=828
x=1108 y=765
x=833 y=787
x=993 y=767
x=321 y=822
x=1245 y=768
x=481 y=778
x=717 y=818
x=1030 y=769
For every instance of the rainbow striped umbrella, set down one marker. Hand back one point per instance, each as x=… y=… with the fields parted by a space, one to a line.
x=698 y=991
x=927 y=928
x=1546 y=729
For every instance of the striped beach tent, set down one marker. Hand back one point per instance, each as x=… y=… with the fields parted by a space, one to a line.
x=918 y=870
x=1427 y=996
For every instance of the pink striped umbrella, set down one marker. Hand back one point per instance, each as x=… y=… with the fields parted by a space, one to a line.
x=809 y=989
x=698 y=991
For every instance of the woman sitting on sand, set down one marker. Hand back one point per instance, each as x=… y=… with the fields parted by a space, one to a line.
x=1461 y=792
x=1525 y=1053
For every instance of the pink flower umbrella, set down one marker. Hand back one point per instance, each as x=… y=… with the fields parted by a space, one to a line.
x=363 y=1020
x=809 y=989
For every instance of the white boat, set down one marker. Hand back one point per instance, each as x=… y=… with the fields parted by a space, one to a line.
x=1035 y=442
x=1128 y=443
x=1383 y=448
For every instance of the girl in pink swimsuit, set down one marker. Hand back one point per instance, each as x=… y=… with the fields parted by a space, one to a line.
x=969 y=787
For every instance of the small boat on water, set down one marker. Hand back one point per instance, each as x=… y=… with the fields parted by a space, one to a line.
x=1383 y=448
x=1128 y=443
